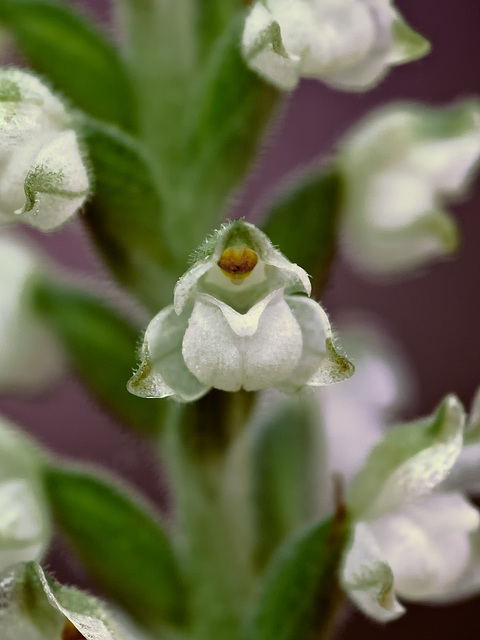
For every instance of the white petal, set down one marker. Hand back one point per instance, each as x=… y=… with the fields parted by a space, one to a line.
x=63 y=186
x=264 y=54
x=368 y=579
x=219 y=357
x=427 y=544
x=163 y=371
x=447 y=164
x=320 y=363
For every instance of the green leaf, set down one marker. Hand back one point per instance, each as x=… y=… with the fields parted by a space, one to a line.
x=121 y=543
x=300 y=588
x=102 y=348
x=282 y=479
x=227 y=119
x=125 y=214
x=304 y=222
x=214 y=17
x=74 y=54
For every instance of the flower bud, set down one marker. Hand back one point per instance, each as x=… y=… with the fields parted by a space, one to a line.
x=240 y=319
x=349 y=44
x=43 y=176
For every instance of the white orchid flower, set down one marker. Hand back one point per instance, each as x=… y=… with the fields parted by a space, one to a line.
x=349 y=44
x=241 y=318
x=399 y=165
x=25 y=527
x=411 y=538
x=43 y=176
x=30 y=357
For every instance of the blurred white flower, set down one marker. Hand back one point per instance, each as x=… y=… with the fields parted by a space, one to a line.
x=30 y=358
x=25 y=526
x=349 y=44
x=398 y=167
x=239 y=319
x=43 y=176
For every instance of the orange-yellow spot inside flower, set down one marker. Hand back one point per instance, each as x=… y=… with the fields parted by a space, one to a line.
x=238 y=262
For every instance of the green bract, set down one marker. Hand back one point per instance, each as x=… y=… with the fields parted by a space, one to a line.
x=44 y=180
x=398 y=166
x=240 y=318
x=36 y=607
x=349 y=44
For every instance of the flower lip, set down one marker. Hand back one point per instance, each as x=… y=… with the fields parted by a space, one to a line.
x=238 y=263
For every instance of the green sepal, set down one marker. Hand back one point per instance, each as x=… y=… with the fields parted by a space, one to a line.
x=120 y=541
x=304 y=222
x=65 y=46
x=38 y=608
x=228 y=117
x=101 y=346
x=300 y=588
x=125 y=214
x=409 y=462
x=408 y=44
x=282 y=479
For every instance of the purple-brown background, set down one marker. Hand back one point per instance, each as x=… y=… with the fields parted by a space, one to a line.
x=434 y=315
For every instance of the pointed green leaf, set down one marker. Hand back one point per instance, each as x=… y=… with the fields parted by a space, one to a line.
x=125 y=213
x=304 y=222
x=120 y=541
x=74 y=54
x=101 y=346
x=300 y=588
x=282 y=479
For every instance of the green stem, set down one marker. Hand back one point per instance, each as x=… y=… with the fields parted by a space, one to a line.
x=202 y=448
x=161 y=44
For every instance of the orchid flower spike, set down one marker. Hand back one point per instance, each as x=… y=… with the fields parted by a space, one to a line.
x=349 y=44
x=241 y=318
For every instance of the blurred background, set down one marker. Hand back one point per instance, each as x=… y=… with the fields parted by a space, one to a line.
x=433 y=315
